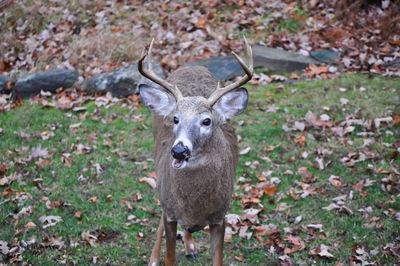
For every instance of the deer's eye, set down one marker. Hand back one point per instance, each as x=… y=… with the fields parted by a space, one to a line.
x=206 y=122
x=176 y=120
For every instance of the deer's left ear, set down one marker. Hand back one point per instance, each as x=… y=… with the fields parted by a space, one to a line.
x=232 y=103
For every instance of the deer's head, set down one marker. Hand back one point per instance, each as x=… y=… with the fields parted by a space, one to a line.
x=194 y=118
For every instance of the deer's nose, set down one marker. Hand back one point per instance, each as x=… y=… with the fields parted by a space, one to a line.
x=180 y=152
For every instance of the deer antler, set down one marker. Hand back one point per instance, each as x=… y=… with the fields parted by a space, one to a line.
x=153 y=76
x=219 y=92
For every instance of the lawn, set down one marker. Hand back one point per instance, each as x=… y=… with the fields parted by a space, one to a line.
x=317 y=183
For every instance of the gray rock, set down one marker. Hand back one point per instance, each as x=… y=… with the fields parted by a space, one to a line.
x=51 y=80
x=395 y=63
x=222 y=67
x=122 y=81
x=280 y=60
x=3 y=81
x=325 y=55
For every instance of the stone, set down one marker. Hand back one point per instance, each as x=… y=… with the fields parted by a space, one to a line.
x=222 y=67
x=3 y=82
x=395 y=63
x=51 y=80
x=280 y=60
x=123 y=81
x=325 y=55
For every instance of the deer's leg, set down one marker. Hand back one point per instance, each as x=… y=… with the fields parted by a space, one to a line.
x=156 y=253
x=190 y=245
x=170 y=237
x=217 y=232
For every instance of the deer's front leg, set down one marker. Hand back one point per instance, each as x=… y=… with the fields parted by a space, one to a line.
x=156 y=253
x=217 y=232
x=170 y=237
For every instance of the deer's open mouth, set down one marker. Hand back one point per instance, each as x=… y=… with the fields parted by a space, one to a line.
x=180 y=163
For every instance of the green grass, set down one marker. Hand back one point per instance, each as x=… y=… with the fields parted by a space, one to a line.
x=120 y=142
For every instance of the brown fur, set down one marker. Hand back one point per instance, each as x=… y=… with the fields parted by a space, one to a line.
x=200 y=196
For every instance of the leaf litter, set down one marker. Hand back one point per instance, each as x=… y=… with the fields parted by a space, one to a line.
x=255 y=221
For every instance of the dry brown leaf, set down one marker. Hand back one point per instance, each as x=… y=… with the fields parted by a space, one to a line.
x=228 y=234
x=270 y=190
x=50 y=220
x=298 y=244
x=127 y=203
x=201 y=23
x=91 y=239
x=266 y=229
x=150 y=181
x=4 y=247
x=301 y=140
x=29 y=225
x=240 y=258
x=53 y=242
x=335 y=180
x=78 y=214
x=8 y=179
x=93 y=199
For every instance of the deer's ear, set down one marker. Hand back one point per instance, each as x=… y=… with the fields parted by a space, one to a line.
x=157 y=100
x=232 y=103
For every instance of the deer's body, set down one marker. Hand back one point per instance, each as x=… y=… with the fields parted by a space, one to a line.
x=196 y=153
x=199 y=196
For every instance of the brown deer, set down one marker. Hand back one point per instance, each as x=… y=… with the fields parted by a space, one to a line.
x=196 y=151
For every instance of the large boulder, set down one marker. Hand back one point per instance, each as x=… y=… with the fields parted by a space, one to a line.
x=122 y=81
x=325 y=55
x=280 y=60
x=226 y=67
x=51 y=80
x=222 y=67
x=3 y=82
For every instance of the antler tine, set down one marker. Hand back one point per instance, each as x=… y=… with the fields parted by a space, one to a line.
x=153 y=76
x=219 y=92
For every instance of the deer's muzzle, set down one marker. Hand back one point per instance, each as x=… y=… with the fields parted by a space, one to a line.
x=180 y=152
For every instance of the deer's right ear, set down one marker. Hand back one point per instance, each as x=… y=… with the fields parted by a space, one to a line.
x=157 y=100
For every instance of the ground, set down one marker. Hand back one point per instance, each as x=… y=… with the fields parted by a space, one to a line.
x=318 y=176
x=317 y=183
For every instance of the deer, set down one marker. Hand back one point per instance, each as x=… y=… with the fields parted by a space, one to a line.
x=196 y=151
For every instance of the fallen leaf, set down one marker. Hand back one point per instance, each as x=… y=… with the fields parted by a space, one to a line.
x=109 y=198
x=245 y=151
x=240 y=258
x=324 y=252
x=232 y=218
x=91 y=239
x=298 y=244
x=8 y=179
x=315 y=226
x=301 y=140
x=201 y=23
x=266 y=229
x=53 y=242
x=39 y=152
x=93 y=199
x=228 y=234
x=50 y=220
x=149 y=181
x=127 y=203
x=139 y=236
x=331 y=206
x=29 y=225
x=270 y=190
x=4 y=247
x=335 y=180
